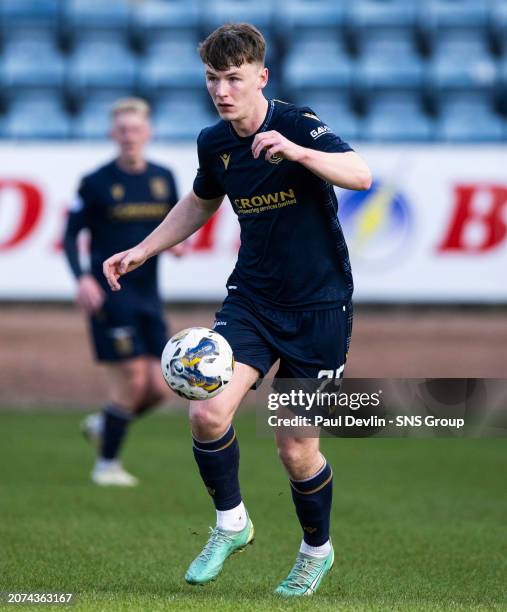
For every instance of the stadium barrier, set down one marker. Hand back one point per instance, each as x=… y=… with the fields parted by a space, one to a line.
x=433 y=227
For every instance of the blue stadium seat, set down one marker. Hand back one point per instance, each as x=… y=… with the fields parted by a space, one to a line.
x=181 y=119
x=88 y=18
x=300 y=16
x=388 y=41
x=391 y=19
x=464 y=102
x=32 y=62
x=173 y=64
x=37 y=117
x=398 y=124
x=161 y=19
x=469 y=43
x=439 y=18
x=93 y=120
x=392 y=102
x=88 y=38
x=97 y=14
x=257 y=12
x=467 y=125
x=389 y=70
x=462 y=63
x=382 y=13
x=24 y=34
x=90 y=125
x=317 y=63
x=455 y=13
x=102 y=64
x=39 y=13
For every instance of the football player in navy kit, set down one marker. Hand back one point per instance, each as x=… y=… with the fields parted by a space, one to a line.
x=120 y=204
x=289 y=295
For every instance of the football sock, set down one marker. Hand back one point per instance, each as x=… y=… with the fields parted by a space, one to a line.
x=116 y=422
x=312 y=498
x=234 y=519
x=218 y=462
x=316 y=551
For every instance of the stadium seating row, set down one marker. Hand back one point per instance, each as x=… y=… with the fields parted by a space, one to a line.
x=285 y=18
x=391 y=118
x=383 y=69
x=315 y=63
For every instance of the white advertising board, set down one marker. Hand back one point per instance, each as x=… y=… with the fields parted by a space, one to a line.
x=433 y=227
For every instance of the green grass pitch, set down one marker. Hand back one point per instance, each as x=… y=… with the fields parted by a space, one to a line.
x=418 y=524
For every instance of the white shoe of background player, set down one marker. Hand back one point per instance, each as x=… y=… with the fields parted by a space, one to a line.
x=92 y=428
x=111 y=474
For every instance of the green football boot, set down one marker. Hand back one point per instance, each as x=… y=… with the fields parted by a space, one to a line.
x=306 y=575
x=221 y=544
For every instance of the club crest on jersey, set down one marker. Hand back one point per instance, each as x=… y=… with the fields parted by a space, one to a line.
x=275 y=159
x=226 y=158
x=117 y=191
x=318 y=132
x=159 y=188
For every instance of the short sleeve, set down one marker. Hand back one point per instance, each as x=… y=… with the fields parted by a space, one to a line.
x=313 y=133
x=206 y=185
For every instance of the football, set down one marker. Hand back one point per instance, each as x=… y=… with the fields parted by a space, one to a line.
x=197 y=363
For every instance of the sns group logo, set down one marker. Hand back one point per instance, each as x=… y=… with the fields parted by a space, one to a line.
x=377 y=224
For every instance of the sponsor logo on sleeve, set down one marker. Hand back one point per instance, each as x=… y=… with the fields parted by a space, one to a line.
x=318 y=132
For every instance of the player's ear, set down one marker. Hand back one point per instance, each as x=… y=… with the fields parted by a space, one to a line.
x=263 y=77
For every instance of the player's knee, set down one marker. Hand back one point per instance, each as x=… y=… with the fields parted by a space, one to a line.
x=135 y=388
x=295 y=455
x=205 y=419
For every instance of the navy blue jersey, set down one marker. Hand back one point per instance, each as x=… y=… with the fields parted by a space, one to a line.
x=293 y=255
x=120 y=209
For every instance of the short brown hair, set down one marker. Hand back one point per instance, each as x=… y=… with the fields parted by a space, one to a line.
x=233 y=44
x=130 y=105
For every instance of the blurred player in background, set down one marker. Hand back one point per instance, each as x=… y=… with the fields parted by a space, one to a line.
x=120 y=204
x=289 y=296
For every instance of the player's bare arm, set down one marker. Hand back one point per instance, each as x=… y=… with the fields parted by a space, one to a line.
x=345 y=170
x=185 y=218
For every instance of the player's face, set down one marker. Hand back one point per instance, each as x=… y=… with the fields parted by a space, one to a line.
x=131 y=132
x=235 y=91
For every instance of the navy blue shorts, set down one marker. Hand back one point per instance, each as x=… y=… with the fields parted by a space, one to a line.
x=310 y=344
x=128 y=326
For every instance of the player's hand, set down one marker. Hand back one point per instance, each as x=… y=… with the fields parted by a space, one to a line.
x=273 y=143
x=90 y=295
x=122 y=263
